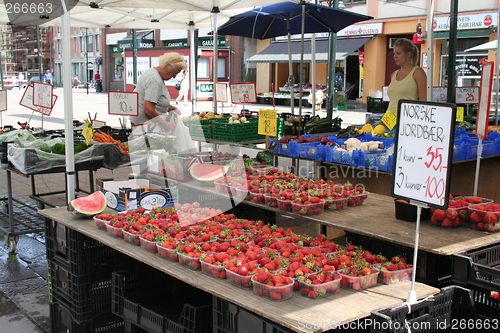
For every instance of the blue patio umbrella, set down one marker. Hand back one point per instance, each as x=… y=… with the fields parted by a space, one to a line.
x=289 y=18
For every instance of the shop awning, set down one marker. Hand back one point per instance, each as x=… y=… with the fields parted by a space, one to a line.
x=278 y=51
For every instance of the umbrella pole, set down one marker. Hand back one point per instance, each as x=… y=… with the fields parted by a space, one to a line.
x=291 y=79
x=301 y=69
x=68 y=105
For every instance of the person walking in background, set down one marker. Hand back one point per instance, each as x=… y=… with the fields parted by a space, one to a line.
x=98 y=82
x=76 y=82
x=20 y=80
x=154 y=98
x=183 y=79
x=410 y=81
x=48 y=77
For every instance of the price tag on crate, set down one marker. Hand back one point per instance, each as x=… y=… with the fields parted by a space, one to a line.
x=423 y=154
x=389 y=119
x=268 y=123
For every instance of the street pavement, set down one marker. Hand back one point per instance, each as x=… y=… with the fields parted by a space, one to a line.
x=95 y=105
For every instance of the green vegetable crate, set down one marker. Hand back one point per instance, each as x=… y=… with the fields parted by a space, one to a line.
x=236 y=132
x=203 y=127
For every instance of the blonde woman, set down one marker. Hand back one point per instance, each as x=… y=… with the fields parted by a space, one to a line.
x=154 y=98
x=410 y=81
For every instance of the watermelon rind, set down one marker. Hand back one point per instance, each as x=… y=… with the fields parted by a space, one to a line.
x=209 y=177
x=88 y=206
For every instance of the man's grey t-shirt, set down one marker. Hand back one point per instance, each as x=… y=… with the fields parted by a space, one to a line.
x=151 y=87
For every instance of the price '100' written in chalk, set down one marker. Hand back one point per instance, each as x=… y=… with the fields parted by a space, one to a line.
x=422 y=156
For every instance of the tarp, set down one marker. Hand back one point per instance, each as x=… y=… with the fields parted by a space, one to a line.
x=278 y=51
x=491 y=45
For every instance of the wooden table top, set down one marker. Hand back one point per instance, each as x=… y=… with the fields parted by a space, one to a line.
x=376 y=218
x=299 y=313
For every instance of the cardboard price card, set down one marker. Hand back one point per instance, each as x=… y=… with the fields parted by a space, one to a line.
x=243 y=92
x=423 y=152
x=268 y=123
x=123 y=103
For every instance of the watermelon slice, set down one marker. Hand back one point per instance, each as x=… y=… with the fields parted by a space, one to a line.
x=206 y=173
x=88 y=206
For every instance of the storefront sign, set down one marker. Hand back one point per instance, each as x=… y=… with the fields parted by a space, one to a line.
x=422 y=155
x=362 y=29
x=361 y=57
x=143 y=63
x=468 y=65
x=202 y=41
x=467 y=22
x=466 y=95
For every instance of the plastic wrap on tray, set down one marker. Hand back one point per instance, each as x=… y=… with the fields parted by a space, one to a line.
x=32 y=160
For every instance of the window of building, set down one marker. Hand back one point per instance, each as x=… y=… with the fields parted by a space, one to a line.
x=97 y=44
x=204 y=68
x=90 y=43
x=75 y=45
x=58 y=46
x=221 y=68
x=82 y=44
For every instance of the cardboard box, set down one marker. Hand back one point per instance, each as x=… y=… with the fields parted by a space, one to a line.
x=134 y=193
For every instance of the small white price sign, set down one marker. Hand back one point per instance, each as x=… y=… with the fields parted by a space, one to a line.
x=466 y=95
x=123 y=103
x=268 y=123
x=243 y=92
x=27 y=101
x=42 y=95
x=3 y=100
x=422 y=155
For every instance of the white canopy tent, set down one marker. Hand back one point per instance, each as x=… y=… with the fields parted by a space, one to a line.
x=127 y=14
x=491 y=45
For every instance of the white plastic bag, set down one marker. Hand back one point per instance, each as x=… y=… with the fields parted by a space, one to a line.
x=184 y=142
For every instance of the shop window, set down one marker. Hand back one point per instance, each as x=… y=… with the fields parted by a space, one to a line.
x=203 y=68
x=118 y=76
x=221 y=68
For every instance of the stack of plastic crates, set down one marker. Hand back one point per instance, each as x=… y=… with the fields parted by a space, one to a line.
x=156 y=302
x=79 y=281
x=452 y=307
x=479 y=271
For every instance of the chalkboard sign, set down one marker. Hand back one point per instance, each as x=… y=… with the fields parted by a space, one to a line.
x=423 y=152
x=466 y=95
x=243 y=93
x=42 y=95
x=27 y=101
x=3 y=100
x=123 y=103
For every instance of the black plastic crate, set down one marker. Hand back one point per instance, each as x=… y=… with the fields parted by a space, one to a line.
x=82 y=254
x=479 y=266
x=479 y=271
x=435 y=314
x=432 y=269
x=407 y=212
x=84 y=296
x=228 y=318
x=62 y=322
x=173 y=307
